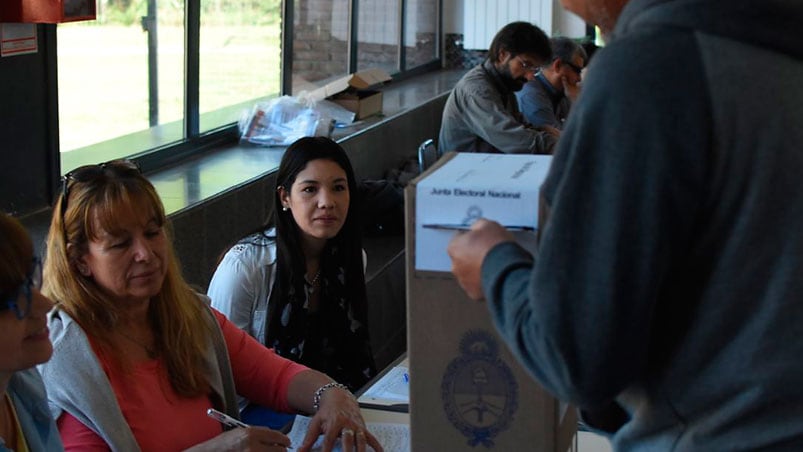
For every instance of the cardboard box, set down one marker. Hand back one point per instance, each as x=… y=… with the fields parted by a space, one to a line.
x=467 y=391
x=467 y=186
x=47 y=11
x=355 y=93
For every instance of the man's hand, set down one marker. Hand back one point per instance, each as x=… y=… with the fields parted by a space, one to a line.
x=469 y=249
x=550 y=130
x=571 y=90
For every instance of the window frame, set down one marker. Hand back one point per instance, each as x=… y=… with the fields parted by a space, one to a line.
x=196 y=142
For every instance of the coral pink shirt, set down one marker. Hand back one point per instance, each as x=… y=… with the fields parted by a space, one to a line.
x=161 y=420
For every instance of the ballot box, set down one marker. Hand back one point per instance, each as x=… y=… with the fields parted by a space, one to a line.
x=467 y=391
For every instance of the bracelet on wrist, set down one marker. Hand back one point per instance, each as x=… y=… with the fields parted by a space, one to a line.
x=316 y=398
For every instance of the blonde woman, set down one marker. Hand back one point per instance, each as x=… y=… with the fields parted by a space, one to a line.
x=139 y=356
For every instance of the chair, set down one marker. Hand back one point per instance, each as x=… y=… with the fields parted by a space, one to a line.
x=427 y=154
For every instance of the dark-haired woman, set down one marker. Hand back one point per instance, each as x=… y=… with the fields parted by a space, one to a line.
x=297 y=284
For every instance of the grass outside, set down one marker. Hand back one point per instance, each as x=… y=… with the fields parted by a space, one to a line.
x=103 y=76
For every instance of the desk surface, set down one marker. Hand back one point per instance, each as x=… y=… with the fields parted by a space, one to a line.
x=377 y=415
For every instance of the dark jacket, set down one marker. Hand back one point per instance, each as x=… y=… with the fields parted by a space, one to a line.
x=482 y=115
x=669 y=276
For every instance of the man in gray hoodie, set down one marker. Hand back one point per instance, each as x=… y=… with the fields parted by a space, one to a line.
x=669 y=275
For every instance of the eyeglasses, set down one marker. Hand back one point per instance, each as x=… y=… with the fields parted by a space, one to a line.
x=19 y=304
x=89 y=173
x=529 y=67
x=577 y=69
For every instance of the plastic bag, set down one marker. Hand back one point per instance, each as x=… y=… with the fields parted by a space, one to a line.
x=283 y=120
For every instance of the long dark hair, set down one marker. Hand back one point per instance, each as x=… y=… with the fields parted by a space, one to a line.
x=342 y=251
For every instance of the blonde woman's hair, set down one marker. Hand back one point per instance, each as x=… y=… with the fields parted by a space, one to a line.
x=93 y=202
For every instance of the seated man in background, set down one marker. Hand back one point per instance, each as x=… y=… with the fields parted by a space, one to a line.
x=546 y=99
x=481 y=114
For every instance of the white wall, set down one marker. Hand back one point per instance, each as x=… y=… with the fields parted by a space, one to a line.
x=453 y=16
x=479 y=20
x=565 y=23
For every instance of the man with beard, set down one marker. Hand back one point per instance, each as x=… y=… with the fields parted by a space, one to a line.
x=482 y=114
x=666 y=294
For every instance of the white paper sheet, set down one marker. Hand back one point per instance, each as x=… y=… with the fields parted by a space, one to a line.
x=393 y=387
x=500 y=187
x=393 y=437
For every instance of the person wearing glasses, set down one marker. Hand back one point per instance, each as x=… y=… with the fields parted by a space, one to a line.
x=297 y=283
x=482 y=114
x=25 y=422
x=547 y=98
x=140 y=356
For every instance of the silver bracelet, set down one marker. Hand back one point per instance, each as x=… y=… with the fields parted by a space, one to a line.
x=316 y=398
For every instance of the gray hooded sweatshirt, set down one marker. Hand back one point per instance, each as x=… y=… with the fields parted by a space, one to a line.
x=669 y=275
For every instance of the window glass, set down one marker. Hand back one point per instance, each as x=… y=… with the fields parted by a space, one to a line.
x=240 y=62
x=420 y=39
x=121 y=77
x=122 y=83
x=320 y=42
x=378 y=35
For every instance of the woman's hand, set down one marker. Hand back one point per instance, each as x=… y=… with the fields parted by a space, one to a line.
x=339 y=416
x=245 y=439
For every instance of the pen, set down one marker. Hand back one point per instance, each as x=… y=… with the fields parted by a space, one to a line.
x=406 y=377
x=229 y=421
x=466 y=227
x=394 y=407
x=225 y=419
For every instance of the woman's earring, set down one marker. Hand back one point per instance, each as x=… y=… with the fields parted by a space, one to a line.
x=285 y=209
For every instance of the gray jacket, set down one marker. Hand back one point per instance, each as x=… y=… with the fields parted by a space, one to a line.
x=482 y=115
x=669 y=276
x=77 y=384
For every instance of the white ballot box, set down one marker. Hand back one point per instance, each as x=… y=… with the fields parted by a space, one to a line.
x=467 y=391
x=468 y=186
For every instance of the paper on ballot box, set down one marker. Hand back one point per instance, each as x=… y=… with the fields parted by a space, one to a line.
x=469 y=186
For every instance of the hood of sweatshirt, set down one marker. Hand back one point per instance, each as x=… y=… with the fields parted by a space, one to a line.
x=767 y=23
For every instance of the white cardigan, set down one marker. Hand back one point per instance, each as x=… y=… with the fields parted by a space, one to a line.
x=243 y=281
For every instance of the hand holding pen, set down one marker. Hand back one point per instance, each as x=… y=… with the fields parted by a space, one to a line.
x=468 y=250
x=225 y=419
x=243 y=437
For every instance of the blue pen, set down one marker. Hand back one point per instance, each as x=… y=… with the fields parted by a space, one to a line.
x=406 y=377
